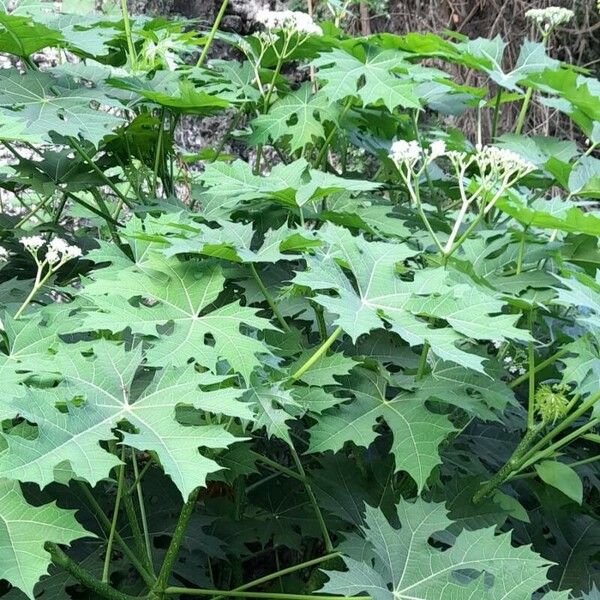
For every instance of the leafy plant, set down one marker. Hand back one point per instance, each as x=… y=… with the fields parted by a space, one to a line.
x=362 y=363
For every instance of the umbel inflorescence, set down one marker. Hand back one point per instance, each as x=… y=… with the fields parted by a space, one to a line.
x=493 y=169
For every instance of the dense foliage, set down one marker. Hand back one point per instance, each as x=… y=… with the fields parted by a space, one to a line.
x=361 y=361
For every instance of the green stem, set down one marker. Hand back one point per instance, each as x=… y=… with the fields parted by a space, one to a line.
x=523 y=111
x=38 y=284
x=173 y=549
x=159 y=150
x=80 y=150
x=566 y=422
x=60 y=559
x=137 y=485
x=232 y=125
x=313 y=501
x=134 y=525
x=511 y=465
x=496 y=116
x=280 y=468
x=138 y=476
x=114 y=234
x=128 y=35
x=531 y=369
x=539 y=367
x=422 y=361
x=320 y=320
x=106 y=525
x=33 y=212
x=269 y=298
x=213 y=32
x=266 y=595
x=521 y=252
x=325 y=146
x=286 y=571
x=317 y=355
x=533 y=456
x=115 y=519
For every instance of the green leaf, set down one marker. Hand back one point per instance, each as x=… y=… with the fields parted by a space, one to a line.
x=416 y=431
x=369 y=78
x=554 y=214
x=376 y=295
x=582 y=368
x=325 y=369
x=584 y=180
x=237 y=242
x=24 y=529
x=21 y=36
x=562 y=477
x=293 y=184
x=402 y=564
x=487 y=55
x=98 y=393
x=275 y=407
x=182 y=294
x=168 y=89
x=45 y=105
x=297 y=117
x=477 y=394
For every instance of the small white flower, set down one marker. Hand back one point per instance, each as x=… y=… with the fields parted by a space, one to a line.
x=32 y=243
x=53 y=256
x=497 y=344
x=508 y=359
x=73 y=252
x=437 y=149
x=497 y=159
x=292 y=21
x=522 y=371
x=3 y=254
x=58 y=245
x=550 y=17
x=405 y=152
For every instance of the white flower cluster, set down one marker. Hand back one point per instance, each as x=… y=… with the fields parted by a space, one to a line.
x=405 y=152
x=513 y=367
x=550 y=17
x=492 y=158
x=290 y=20
x=409 y=153
x=3 y=254
x=496 y=165
x=58 y=250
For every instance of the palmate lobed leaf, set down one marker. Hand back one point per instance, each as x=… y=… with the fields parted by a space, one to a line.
x=417 y=432
x=49 y=105
x=376 y=295
x=344 y=74
x=299 y=116
x=401 y=564
x=24 y=529
x=181 y=294
x=95 y=394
